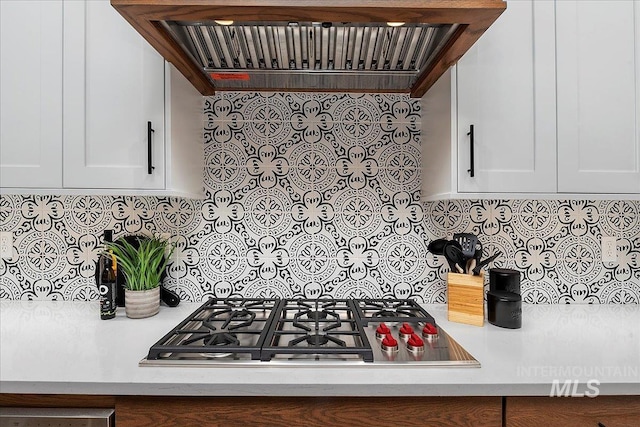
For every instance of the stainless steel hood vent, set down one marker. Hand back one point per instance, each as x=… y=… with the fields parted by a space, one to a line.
x=323 y=55
x=311 y=45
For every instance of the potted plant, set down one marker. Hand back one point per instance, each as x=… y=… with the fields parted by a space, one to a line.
x=142 y=267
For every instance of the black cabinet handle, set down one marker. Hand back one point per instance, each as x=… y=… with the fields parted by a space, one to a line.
x=601 y=425
x=471 y=169
x=150 y=166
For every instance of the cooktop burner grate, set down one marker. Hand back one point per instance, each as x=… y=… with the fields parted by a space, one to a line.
x=317 y=327
x=391 y=311
x=220 y=327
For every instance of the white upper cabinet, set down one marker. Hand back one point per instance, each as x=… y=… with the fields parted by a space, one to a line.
x=506 y=91
x=552 y=90
x=598 y=51
x=504 y=87
x=113 y=87
x=30 y=94
x=80 y=91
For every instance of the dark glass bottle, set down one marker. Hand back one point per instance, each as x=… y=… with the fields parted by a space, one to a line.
x=107 y=283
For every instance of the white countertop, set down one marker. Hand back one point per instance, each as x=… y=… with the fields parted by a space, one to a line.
x=64 y=347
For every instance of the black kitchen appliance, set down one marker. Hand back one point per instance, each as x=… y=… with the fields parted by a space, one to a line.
x=267 y=332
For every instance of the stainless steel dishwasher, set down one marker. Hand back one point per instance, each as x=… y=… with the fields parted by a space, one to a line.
x=56 y=417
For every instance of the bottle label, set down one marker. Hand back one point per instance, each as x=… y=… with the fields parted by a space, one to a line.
x=107 y=300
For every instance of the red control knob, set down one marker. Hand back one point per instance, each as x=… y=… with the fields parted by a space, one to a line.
x=406 y=329
x=383 y=330
x=415 y=343
x=389 y=343
x=429 y=329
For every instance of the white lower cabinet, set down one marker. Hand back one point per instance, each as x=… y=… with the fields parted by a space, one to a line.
x=598 y=50
x=129 y=123
x=31 y=93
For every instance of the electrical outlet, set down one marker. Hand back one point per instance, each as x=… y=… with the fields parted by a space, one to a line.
x=609 y=252
x=6 y=244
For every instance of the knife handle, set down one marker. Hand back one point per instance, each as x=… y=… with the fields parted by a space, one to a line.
x=471 y=264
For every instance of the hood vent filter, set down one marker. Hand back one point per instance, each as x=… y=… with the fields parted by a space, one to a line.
x=321 y=55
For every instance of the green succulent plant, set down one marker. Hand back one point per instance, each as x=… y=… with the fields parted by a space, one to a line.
x=142 y=266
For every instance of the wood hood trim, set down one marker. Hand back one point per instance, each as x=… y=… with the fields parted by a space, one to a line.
x=473 y=17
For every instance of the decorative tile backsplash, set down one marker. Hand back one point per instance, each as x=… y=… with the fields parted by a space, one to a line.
x=318 y=195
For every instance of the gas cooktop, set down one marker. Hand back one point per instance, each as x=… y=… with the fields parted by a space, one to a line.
x=267 y=332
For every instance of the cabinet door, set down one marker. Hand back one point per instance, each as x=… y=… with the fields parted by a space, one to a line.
x=598 y=49
x=609 y=411
x=30 y=93
x=113 y=86
x=506 y=89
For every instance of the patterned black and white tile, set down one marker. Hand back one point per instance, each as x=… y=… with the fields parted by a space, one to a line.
x=317 y=195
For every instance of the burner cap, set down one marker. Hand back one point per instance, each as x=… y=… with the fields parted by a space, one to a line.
x=317 y=315
x=386 y=313
x=317 y=339
x=222 y=339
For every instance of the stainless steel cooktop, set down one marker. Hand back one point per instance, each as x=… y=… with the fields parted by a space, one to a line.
x=298 y=332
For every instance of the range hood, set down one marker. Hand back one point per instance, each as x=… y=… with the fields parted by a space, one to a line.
x=311 y=45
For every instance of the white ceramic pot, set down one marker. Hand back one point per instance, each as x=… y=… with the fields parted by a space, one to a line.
x=141 y=304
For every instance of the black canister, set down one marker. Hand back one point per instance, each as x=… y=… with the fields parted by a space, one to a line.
x=504 y=279
x=504 y=309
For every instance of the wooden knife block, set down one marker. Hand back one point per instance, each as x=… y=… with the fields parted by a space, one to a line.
x=465 y=298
